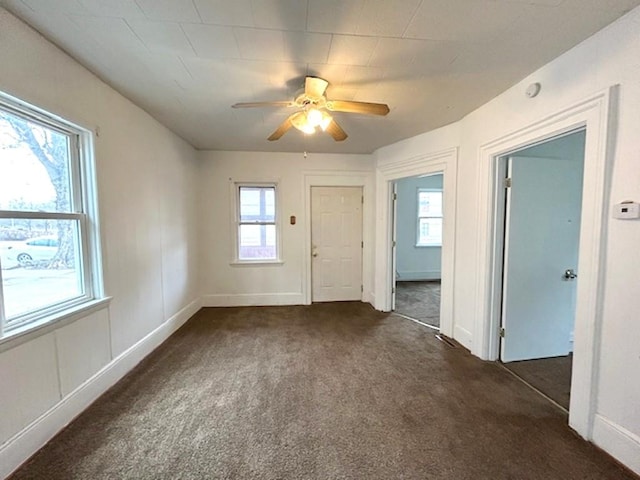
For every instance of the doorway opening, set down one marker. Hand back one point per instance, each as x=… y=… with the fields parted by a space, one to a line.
x=417 y=248
x=541 y=220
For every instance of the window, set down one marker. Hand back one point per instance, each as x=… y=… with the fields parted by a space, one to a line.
x=257 y=223
x=429 y=218
x=46 y=219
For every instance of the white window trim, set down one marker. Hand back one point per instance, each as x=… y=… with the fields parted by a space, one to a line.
x=418 y=217
x=235 y=223
x=82 y=173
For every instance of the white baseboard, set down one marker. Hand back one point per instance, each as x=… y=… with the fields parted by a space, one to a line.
x=463 y=336
x=414 y=276
x=619 y=442
x=28 y=441
x=252 y=300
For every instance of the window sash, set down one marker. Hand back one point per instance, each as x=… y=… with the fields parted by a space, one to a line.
x=50 y=122
x=420 y=218
x=263 y=208
x=85 y=273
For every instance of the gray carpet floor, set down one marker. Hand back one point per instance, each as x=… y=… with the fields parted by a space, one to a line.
x=419 y=300
x=327 y=391
x=552 y=376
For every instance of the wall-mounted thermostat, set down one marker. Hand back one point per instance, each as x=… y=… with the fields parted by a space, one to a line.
x=626 y=210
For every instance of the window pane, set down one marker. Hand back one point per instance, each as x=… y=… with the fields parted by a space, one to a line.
x=257 y=242
x=257 y=204
x=429 y=204
x=34 y=166
x=430 y=231
x=40 y=263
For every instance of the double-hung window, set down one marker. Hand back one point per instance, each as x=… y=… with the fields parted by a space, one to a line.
x=429 y=218
x=47 y=218
x=257 y=227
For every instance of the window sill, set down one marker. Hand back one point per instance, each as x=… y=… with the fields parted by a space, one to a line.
x=52 y=322
x=428 y=246
x=256 y=263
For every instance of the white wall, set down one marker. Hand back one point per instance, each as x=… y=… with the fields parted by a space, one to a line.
x=147 y=184
x=412 y=262
x=225 y=284
x=610 y=57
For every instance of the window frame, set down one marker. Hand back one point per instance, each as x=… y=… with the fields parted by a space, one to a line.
x=236 y=221
x=419 y=217
x=83 y=211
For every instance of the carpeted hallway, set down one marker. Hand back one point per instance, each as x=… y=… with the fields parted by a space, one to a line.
x=328 y=391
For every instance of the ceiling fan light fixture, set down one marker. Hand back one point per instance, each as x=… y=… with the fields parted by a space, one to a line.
x=300 y=121
x=314 y=117
x=326 y=120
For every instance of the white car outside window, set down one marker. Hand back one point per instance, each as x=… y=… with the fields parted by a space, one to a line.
x=33 y=250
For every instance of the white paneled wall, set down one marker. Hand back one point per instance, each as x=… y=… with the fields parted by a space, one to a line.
x=30 y=387
x=79 y=360
x=147 y=186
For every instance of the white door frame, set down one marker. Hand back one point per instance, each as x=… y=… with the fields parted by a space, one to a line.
x=340 y=178
x=444 y=162
x=394 y=244
x=595 y=114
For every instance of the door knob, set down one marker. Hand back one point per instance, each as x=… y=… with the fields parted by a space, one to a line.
x=569 y=274
x=314 y=254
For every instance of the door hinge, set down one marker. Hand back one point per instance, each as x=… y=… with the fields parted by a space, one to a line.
x=393 y=244
x=501 y=332
x=362 y=244
x=393 y=289
x=362 y=199
x=361 y=288
x=395 y=196
x=507 y=182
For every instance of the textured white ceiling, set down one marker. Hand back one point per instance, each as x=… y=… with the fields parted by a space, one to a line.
x=432 y=61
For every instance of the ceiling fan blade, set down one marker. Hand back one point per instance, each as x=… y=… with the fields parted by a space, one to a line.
x=285 y=103
x=282 y=129
x=314 y=87
x=358 y=107
x=336 y=131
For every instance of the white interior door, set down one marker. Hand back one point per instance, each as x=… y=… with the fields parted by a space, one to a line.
x=541 y=243
x=336 y=243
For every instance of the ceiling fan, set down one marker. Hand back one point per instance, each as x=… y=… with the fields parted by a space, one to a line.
x=313 y=110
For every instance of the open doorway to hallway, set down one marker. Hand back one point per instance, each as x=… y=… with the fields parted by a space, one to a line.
x=542 y=212
x=418 y=247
